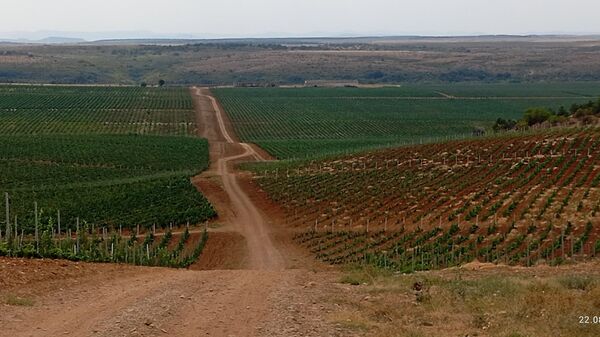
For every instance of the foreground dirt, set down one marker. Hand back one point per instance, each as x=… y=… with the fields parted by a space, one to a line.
x=56 y=298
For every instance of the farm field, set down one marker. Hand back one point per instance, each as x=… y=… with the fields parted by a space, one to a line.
x=94 y=109
x=108 y=157
x=515 y=198
x=303 y=122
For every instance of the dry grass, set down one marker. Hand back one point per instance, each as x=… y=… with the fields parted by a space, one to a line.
x=18 y=301
x=502 y=301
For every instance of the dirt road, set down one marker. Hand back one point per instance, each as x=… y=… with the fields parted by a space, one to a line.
x=261 y=297
x=245 y=217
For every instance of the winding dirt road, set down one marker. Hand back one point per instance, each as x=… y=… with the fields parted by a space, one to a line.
x=259 y=295
x=247 y=218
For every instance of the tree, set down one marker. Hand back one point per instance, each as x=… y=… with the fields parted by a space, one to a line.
x=161 y=82
x=536 y=116
x=143 y=84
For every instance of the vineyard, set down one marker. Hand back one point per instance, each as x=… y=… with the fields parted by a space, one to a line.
x=85 y=110
x=109 y=180
x=75 y=159
x=302 y=122
x=515 y=198
x=94 y=244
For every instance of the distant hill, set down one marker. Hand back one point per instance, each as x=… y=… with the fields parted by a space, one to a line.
x=47 y=40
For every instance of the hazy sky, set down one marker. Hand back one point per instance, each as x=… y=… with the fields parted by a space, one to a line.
x=243 y=18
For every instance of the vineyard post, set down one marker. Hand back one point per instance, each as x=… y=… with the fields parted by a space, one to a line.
x=154 y=229
x=562 y=242
x=137 y=229
x=367 y=225
x=8 y=230
x=77 y=234
x=16 y=229
x=572 y=248
x=58 y=222
x=120 y=230
x=385 y=225
x=528 y=250
x=37 y=243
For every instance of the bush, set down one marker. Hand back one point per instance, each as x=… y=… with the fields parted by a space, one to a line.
x=536 y=116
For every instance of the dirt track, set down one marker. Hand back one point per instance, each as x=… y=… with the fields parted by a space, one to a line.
x=263 y=297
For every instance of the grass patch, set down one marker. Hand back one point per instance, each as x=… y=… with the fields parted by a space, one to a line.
x=495 y=303
x=18 y=301
x=577 y=282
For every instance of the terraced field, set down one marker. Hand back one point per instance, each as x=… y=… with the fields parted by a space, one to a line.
x=304 y=122
x=514 y=198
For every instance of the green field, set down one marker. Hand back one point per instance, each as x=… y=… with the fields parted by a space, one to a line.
x=110 y=156
x=85 y=110
x=301 y=122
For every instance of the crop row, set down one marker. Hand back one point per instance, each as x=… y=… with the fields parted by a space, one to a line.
x=91 y=244
x=424 y=249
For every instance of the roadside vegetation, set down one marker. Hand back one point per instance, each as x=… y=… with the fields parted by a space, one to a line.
x=475 y=300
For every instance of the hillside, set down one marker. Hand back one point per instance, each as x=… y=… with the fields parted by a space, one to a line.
x=516 y=198
x=281 y=61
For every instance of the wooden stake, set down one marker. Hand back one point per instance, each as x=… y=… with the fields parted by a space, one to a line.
x=77 y=235
x=37 y=241
x=8 y=230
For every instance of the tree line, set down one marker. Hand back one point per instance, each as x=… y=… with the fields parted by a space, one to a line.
x=586 y=113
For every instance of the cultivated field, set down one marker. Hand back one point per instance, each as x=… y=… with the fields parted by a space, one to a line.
x=97 y=110
x=298 y=123
x=97 y=160
x=515 y=199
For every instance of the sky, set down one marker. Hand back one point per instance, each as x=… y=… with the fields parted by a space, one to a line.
x=94 y=19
